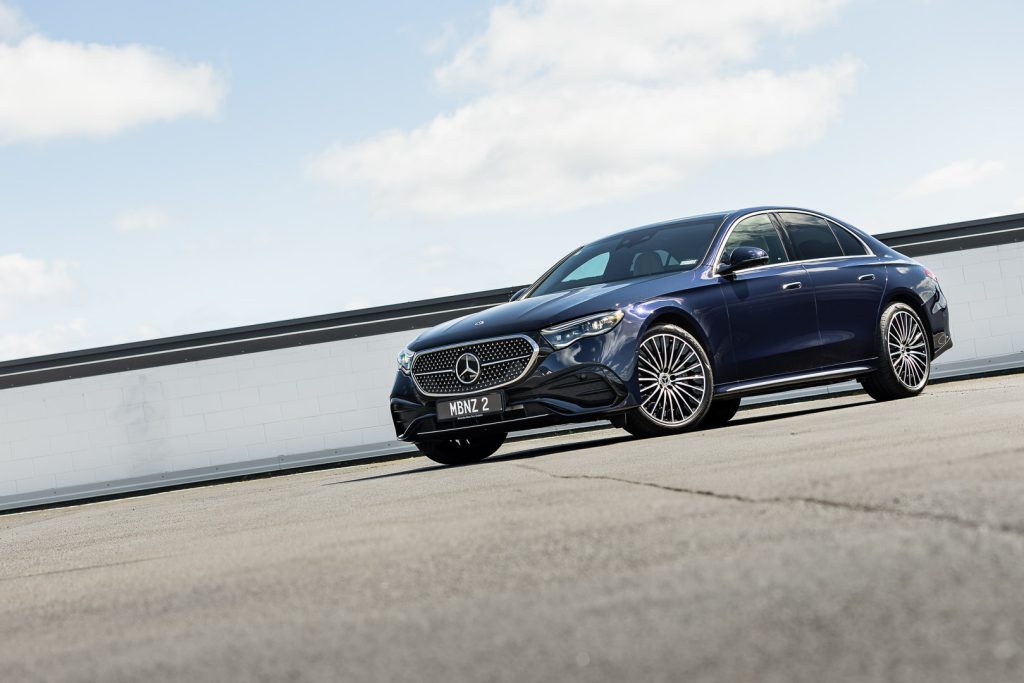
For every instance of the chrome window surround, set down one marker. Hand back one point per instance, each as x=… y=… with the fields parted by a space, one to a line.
x=728 y=232
x=529 y=364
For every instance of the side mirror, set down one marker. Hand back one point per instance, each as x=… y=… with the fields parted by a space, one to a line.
x=515 y=297
x=743 y=258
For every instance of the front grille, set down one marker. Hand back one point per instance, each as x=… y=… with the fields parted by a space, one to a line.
x=502 y=361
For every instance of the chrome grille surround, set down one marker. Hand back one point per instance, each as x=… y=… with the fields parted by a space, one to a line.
x=503 y=361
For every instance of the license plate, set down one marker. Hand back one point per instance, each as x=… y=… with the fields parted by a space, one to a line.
x=473 y=406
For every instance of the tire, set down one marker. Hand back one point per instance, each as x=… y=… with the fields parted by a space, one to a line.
x=721 y=411
x=464 y=450
x=676 y=384
x=904 y=356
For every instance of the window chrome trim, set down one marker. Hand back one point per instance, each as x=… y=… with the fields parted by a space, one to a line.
x=728 y=233
x=524 y=373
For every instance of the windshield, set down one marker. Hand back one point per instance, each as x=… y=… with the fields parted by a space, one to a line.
x=669 y=248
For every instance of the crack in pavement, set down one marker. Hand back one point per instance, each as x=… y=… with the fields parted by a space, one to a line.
x=69 y=570
x=964 y=522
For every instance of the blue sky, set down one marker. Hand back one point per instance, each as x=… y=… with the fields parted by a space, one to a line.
x=174 y=167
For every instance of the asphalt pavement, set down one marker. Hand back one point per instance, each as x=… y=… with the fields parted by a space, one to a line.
x=833 y=540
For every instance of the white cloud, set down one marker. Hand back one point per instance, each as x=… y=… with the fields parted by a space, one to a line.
x=582 y=102
x=12 y=24
x=142 y=220
x=643 y=41
x=955 y=176
x=51 y=88
x=25 y=280
x=54 y=339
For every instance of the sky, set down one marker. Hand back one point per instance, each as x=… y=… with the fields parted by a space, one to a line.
x=168 y=168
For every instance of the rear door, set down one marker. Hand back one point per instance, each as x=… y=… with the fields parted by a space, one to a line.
x=848 y=283
x=771 y=308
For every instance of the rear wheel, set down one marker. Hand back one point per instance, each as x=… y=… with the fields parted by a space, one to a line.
x=904 y=363
x=675 y=383
x=463 y=450
x=721 y=411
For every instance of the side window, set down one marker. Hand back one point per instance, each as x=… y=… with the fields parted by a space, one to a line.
x=594 y=267
x=850 y=244
x=810 y=236
x=756 y=231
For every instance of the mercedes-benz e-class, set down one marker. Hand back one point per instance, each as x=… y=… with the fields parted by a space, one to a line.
x=664 y=328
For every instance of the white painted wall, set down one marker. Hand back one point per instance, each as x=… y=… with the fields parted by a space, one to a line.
x=324 y=402
x=153 y=423
x=985 y=289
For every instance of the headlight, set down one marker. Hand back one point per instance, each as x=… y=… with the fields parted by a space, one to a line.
x=405 y=360
x=562 y=335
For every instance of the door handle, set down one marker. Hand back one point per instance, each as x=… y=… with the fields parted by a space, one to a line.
x=866 y=278
x=793 y=285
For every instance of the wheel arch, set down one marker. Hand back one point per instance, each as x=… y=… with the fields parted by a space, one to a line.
x=673 y=314
x=910 y=298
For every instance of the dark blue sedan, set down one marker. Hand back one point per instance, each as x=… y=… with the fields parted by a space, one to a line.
x=664 y=328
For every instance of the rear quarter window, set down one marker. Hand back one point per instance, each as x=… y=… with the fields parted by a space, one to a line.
x=850 y=244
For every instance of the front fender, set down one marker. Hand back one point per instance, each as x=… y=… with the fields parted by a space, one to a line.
x=703 y=313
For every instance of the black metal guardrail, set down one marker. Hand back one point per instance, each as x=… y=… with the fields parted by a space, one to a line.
x=983 y=232
x=398 y=317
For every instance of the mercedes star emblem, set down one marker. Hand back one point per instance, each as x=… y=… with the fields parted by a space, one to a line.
x=467 y=368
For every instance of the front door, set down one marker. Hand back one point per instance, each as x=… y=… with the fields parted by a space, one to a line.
x=771 y=308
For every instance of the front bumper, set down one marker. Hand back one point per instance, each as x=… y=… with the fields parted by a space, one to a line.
x=577 y=383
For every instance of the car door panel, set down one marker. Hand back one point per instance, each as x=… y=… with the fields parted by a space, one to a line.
x=773 y=321
x=848 y=285
x=849 y=294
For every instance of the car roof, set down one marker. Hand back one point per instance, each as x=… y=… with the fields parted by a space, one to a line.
x=724 y=216
x=719 y=215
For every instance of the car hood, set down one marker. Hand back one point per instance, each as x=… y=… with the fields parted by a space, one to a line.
x=536 y=313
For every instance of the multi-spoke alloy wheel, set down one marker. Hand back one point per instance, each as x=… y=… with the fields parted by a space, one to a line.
x=904 y=362
x=675 y=382
x=908 y=350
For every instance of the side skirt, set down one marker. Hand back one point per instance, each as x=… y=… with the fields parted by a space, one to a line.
x=768 y=385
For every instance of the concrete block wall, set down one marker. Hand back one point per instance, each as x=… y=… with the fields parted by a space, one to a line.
x=325 y=402
x=198 y=420
x=985 y=289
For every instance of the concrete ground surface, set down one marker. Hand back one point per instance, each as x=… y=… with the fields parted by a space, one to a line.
x=834 y=540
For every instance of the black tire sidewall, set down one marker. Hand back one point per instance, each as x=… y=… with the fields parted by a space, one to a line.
x=720 y=412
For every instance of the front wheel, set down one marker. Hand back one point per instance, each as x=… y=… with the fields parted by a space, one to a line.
x=675 y=383
x=904 y=362
x=464 y=450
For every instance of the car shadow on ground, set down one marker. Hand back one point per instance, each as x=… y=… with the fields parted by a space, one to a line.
x=608 y=441
x=518 y=455
x=737 y=421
